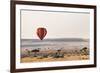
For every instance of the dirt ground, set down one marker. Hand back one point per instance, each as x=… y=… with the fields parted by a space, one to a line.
x=66 y=58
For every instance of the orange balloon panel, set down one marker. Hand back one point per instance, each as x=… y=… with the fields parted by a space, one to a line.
x=41 y=32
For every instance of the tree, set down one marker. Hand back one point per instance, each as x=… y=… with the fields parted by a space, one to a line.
x=36 y=51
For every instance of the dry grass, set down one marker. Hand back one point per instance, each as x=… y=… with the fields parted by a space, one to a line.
x=66 y=58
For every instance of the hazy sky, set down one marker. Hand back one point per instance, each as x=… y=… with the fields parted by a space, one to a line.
x=58 y=24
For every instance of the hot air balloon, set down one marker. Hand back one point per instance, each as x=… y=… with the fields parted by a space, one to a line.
x=41 y=32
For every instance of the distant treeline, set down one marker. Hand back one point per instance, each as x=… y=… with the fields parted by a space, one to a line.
x=57 y=40
x=60 y=53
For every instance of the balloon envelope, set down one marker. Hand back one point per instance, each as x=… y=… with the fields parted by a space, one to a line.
x=41 y=32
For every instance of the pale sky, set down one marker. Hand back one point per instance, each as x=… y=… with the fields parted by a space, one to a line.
x=58 y=24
